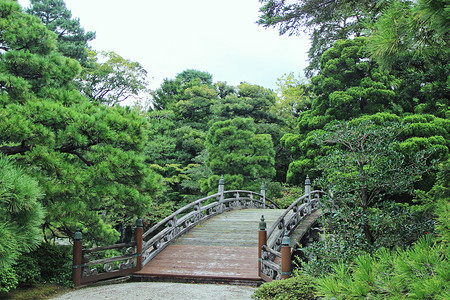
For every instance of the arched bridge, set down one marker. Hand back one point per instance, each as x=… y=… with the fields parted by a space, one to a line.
x=214 y=238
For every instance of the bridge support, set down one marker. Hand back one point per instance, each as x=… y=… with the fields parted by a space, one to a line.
x=138 y=239
x=262 y=240
x=77 y=257
x=285 y=256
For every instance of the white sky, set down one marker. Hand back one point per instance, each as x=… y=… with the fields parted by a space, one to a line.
x=170 y=36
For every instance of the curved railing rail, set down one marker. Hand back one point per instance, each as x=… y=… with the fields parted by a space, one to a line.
x=164 y=232
x=286 y=223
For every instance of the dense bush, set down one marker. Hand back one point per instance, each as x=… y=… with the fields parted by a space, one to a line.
x=298 y=287
x=54 y=263
x=27 y=270
x=8 y=280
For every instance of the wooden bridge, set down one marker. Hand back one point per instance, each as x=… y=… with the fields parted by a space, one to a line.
x=213 y=239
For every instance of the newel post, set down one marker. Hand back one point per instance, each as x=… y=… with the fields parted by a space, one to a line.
x=263 y=193
x=308 y=192
x=262 y=240
x=285 y=256
x=221 y=188
x=138 y=239
x=77 y=257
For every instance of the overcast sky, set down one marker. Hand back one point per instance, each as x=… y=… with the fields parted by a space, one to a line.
x=170 y=36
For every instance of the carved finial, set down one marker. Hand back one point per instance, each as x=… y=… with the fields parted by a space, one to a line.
x=78 y=236
x=262 y=223
x=307 y=181
x=139 y=222
x=221 y=181
x=286 y=240
x=263 y=187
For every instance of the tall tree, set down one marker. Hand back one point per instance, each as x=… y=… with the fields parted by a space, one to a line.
x=88 y=158
x=72 y=38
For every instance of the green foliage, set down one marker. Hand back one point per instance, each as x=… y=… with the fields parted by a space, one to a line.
x=298 y=287
x=21 y=214
x=173 y=90
x=27 y=270
x=234 y=148
x=88 y=158
x=420 y=27
x=421 y=272
x=8 y=280
x=72 y=39
x=365 y=174
x=54 y=263
x=293 y=98
x=111 y=79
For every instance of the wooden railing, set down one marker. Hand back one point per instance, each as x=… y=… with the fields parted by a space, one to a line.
x=163 y=233
x=136 y=254
x=87 y=271
x=270 y=267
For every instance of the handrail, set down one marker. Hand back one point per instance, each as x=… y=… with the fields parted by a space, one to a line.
x=164 y=232
x=177 y=212
x=287 y=222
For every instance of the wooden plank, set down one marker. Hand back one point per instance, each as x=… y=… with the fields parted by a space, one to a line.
x=224 y=247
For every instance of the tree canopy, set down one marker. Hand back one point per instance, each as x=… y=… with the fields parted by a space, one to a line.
x=87 y=158
x=72 y=38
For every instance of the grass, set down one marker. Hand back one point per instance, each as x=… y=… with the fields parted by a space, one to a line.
x=35 y=292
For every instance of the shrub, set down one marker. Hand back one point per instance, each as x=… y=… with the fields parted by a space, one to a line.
x=27 y=270
x=55 y=263
x=8 y=280
x=298 y=287
x=421 y=272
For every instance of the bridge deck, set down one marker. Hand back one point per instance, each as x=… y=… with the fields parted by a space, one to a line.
x=222 y=248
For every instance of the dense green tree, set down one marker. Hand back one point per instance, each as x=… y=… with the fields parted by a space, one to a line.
x=72 y=38
x=367 y=175
x=21 y=214
x=247 y=100
x=173 y=90
x=349 y=85
x=111 y=79
x=88 y=158
x=234 y=148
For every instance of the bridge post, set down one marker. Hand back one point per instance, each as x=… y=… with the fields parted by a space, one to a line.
x=221 y=188
x=138 y=239
x=262 y=240
x=77 y=257
x=263 y=193
x=285 y=256
x=308 y=192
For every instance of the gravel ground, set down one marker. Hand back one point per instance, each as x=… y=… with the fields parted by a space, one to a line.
x=161 y=290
